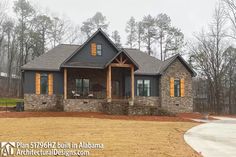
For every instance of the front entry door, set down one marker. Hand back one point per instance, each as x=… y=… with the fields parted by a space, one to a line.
x=116 y=89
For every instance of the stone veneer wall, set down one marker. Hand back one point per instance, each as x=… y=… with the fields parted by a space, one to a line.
x=83 y=105
x=176 y=104
x=33 y=102
x=115 y=108
x=147 y=101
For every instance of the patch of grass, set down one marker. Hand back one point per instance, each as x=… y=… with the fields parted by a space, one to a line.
x=9 y=101
x=120 y=137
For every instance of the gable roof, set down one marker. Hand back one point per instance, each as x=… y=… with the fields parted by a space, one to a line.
x=89 y=39
x=170 y=60
x=130 y=58
x=52 y=60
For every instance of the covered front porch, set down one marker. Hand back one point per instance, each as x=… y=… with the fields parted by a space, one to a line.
x=114 y=82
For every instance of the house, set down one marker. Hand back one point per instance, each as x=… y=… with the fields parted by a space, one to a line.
x=83 y=78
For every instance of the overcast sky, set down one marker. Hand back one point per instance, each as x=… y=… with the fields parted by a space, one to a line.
x=188 y=15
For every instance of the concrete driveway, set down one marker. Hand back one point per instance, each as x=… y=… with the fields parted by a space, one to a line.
x=215 y=138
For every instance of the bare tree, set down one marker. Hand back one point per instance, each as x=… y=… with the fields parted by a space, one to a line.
x=58 y=30
x=230 y=12
x=208 y=53
x=73 y=35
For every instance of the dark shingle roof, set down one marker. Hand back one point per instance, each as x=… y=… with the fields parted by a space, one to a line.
x=51 y=60
x=148 y=65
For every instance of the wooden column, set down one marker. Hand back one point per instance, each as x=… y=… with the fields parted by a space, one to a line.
x=132 y=81
x=65 y=83
x=109 y=83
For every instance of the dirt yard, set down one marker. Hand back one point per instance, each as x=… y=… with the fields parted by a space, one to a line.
x=120 y=137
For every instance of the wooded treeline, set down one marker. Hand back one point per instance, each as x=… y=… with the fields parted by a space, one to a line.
x=26 y=35
x=213 y=56
x=32 y=32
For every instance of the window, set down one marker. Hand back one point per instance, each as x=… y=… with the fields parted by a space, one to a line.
x=82 y=86
x=143 y=88
x=177 y=88
x=44 y=84
x=96 y=49
x=147 y=88
x=99 y=49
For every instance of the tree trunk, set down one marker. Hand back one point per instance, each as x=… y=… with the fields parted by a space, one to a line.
x=161 y=47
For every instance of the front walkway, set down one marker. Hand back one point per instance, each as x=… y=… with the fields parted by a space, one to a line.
x=215 y=138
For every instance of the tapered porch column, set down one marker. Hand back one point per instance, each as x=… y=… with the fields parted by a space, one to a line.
x=132 y=81
x=109 y=84
x=65 y=83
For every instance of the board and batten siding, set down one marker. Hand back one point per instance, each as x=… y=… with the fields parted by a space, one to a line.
x=84 y=55
x=30 y=84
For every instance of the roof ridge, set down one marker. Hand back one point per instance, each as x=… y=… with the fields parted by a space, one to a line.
x=176 y=55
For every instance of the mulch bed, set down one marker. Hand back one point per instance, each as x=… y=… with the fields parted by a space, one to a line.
x=3 y=108
x=186 y=117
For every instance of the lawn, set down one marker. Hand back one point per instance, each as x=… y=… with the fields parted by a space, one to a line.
x=9 y=101
x=121 y=138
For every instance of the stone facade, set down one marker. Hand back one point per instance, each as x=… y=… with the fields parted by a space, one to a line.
x=176 y=104
x=43 y=102
x=83 y=105
x=141 y=105
x=147 y=101
x=116 y=108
